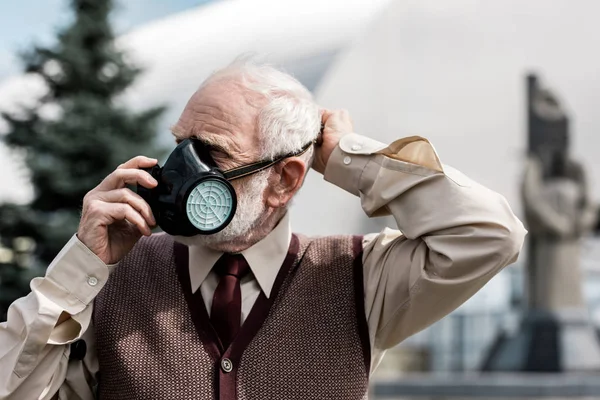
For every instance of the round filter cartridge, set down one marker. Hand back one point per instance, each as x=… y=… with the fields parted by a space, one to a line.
x=210 y=205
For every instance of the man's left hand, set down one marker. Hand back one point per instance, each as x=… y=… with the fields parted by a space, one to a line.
x=335 y=125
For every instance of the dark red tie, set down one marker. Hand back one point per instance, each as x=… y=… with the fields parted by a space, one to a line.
x=226 y=310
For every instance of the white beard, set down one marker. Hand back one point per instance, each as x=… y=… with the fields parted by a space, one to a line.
x=250 y=209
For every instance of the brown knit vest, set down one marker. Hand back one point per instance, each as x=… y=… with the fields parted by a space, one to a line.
x=309 y=340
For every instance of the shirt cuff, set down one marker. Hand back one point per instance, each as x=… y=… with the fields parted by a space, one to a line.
x=349 y=159
x=74 y=278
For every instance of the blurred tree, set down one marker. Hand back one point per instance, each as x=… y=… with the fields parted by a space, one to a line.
x=70 y=140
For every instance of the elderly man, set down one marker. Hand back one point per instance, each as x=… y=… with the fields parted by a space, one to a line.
x=255 y=311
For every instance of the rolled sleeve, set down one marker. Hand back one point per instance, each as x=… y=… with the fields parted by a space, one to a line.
x=454 y=234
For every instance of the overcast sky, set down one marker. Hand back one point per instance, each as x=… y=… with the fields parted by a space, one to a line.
x=23 y=22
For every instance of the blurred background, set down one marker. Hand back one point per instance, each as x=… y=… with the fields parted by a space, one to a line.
x=86 y=84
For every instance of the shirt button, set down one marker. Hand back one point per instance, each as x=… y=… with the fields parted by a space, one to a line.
x=92 y=281
x=356 y=147
x=226 y=365
x=347 y=160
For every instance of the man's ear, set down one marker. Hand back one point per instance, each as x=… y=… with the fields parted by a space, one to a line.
x=286 y=180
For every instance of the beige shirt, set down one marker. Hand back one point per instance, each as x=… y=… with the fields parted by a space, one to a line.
x=456 y=235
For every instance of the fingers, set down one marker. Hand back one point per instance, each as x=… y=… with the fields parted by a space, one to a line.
x=107 y=213
x=121 y=177
x=110 y=201
x=133 y=199
x=113 y=217
x=326 y=114
x=139 y=162
x=122 y=211
x=129 y=173
x=337 y=121
x=330 y=117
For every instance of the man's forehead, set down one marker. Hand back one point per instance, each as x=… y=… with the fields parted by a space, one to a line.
x=217 y=101
x=220 y=115
x=226 y=100
x=217 y=141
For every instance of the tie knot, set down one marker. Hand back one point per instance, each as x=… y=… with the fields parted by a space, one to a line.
x=232 y=264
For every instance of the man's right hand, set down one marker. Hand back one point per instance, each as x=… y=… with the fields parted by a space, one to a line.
x=114 y=217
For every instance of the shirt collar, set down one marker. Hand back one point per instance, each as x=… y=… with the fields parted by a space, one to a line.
x=265 y=258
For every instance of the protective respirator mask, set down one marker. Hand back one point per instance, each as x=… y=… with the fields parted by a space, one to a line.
x=193 y=195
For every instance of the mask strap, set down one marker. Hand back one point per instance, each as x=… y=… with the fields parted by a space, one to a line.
x=245 y=170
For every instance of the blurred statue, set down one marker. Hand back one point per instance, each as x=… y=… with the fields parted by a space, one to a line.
x=558 y=211
x=556 y=333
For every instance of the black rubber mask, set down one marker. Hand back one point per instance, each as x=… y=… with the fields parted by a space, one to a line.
x=193 y=195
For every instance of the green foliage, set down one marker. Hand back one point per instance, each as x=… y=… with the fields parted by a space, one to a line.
x=75 y=136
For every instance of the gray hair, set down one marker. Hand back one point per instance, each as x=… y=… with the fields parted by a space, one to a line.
x=290 y=119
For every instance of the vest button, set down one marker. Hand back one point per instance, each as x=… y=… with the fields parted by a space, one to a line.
x=226 y=365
